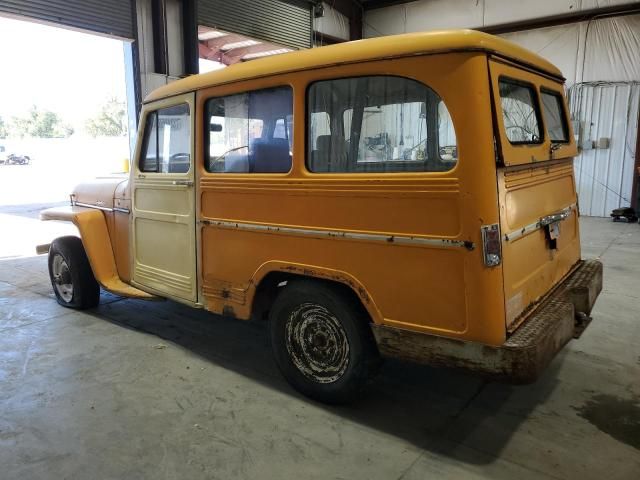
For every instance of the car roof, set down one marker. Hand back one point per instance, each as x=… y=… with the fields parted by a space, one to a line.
x=362 y=50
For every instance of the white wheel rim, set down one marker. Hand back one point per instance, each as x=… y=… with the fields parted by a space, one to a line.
x=62 y=278
x=317 y=343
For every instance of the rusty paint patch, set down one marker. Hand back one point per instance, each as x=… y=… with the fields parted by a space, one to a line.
x=360 y=291
x=615 y=416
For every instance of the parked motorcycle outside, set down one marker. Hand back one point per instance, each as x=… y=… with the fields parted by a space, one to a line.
x=14 y=159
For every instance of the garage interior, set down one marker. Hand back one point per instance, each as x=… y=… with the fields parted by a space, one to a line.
x=133 y=389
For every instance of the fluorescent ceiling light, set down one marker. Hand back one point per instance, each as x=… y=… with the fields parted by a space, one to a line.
x=211 y=34
x=249 y=56
x=241 y=44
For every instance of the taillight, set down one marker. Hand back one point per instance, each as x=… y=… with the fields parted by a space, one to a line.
x=491 y=245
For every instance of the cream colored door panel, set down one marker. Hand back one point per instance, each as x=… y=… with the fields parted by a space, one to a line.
x=164 y=233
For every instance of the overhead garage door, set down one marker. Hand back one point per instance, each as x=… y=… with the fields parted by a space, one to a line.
x=286 y=22
x=111 y=17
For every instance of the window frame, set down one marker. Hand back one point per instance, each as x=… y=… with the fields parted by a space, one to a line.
x=146 y=136
x=563 y=113
x=207 y=133
x=307 y=127
x=536 y=107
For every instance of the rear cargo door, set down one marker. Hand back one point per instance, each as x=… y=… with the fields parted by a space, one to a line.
x=536 y=186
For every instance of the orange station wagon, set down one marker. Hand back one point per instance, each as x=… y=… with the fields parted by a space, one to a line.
x=409 y=196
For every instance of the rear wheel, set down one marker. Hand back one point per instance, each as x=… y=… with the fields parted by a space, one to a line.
x=71 y=276
x=322 y=341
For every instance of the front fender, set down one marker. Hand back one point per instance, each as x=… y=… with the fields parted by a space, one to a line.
x=94 y=233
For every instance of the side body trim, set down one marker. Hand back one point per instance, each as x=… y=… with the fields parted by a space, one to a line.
x=374 y=237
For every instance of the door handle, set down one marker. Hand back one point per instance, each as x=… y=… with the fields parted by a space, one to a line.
x=555 y=217
x=186 y=183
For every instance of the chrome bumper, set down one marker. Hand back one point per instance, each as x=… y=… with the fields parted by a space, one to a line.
x=563 y=315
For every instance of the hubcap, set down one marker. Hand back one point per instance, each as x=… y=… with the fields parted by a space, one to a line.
x=62 y=278
x=317 y=344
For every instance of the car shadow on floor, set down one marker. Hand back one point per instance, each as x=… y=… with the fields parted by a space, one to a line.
x=434 y=409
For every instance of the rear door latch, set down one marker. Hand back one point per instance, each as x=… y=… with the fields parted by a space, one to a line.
x=551 y=224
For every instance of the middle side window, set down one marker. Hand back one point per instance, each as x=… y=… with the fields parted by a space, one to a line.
x=250 y=132
x=378 y=124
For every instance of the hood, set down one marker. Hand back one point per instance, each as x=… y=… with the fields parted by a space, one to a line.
x=99 y=192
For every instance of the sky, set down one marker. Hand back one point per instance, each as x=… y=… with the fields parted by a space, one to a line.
x=68 y=72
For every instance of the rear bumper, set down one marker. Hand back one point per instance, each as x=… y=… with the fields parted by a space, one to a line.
x=563 y=315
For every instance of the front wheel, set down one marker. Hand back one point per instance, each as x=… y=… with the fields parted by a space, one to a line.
x=322 y=341
x=71 y=276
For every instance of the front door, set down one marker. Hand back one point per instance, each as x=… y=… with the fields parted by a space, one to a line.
x=164 y=236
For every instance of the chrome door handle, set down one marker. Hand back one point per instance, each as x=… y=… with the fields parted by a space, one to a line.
x=186 y=183
x=555 y=217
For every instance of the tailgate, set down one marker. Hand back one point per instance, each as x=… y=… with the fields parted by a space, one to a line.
x=536 y=186
x=540 y=236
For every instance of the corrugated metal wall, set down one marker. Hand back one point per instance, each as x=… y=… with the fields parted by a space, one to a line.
x=111 y=17
x=283 y=22
x=604 y=176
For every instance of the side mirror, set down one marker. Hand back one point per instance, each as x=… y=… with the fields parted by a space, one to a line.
x=215 y=127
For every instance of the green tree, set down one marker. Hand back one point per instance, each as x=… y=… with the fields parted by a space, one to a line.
x=40 y=123
x=3 y=129
x=111 y=121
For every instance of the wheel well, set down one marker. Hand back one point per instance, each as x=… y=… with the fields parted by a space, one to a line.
x=270 y=286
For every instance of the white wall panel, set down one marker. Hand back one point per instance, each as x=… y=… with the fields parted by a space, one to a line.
x=507 y=11
x=438 y=13
x=559 y=45
x=443 y=14
x=612 y=49
x=604 y=176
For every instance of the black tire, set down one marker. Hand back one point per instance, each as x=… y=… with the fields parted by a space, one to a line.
x=84 y=292
x=322 y=341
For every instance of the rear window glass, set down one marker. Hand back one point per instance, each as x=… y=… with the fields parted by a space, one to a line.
x=552 y=106
x=520 y=112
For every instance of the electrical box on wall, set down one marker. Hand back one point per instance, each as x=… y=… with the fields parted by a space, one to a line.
x=582 y=133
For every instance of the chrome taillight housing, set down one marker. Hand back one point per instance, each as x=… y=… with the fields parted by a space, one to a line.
x=491 y=245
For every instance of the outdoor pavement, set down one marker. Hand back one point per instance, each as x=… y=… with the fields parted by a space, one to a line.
x=158 y=390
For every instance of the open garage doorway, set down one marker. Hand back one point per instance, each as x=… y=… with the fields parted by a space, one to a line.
x=63 y=120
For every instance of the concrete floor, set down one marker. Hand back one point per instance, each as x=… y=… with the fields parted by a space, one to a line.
x=158 y=390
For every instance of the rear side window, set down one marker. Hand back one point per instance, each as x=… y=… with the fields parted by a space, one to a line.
x=555 y=120
x=520 y=112
x=250 y=132
x=167 y=141
x=378 y=124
